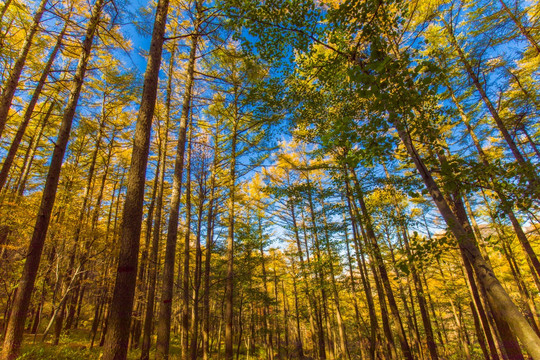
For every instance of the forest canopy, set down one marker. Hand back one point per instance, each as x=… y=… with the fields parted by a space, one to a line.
x=286 y=179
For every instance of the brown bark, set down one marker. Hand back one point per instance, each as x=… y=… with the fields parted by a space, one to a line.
x=153 y=259
x=116 y=341
x=165 y=308
x=374 y=326
x=186 y=289
x=229 y=296
x=209 y=245
x=8 y=161
x=13 y=79
x=14 y=332
x=497 y=296
x=266 y=309
x=382 y=271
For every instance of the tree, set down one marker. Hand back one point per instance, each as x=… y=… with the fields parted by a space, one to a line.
x=116 y=341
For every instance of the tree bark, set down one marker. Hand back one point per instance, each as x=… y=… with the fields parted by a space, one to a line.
x=229 y=296
x=116 y=341
x=15 y=328
x=165 y=308
x=13 y=80
x=497 y=296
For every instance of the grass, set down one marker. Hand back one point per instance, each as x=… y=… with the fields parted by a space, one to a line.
x=75 y=345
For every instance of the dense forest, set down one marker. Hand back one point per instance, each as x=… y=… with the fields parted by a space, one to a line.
x=283 y=179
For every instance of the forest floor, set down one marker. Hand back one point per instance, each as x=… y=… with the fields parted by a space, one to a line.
x=74 y=346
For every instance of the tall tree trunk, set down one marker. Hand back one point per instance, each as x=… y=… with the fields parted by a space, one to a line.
x=497 y=296
x=430 y=339
x=80 y=221
x=519 y=24
x=197 y=276
x=185 y=271
x=209 y=245
x=33 y=144
x=15 y=327
x=382 y=271
x=374 y=326
x=507 y=205
x=165 y=308
x=117 y=338
x=153 y=259
x=266 y=309
x=479 y=87
x=229 y=296
x=341 y=326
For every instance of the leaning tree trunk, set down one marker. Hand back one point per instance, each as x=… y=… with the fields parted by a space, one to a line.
x=117 y=337
x=519 y=24
x=209 y=245
x=480 y=88
x=6 y=166
x=497 y=297
x=13 y=80
x=15 y=327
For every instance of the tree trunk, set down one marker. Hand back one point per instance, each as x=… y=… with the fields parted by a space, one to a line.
x=519 y=24
x=494 y=113
x=14 y=332
x=13 y=80
x=20 y=185
x=497 y=296
x=185 y=278
x=209 y=245
x=229 y=296
x=374 y=326
x=6 y=166
x=165 y=308
x=382 y=272
x=117 y=338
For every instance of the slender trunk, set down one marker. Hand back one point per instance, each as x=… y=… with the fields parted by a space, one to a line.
x=6 y=166
x=13 y=79
x=519 y=24
x=497 y=296
x=341 y=326
x=185 y=283
x=507 y=205
x=374 y=326
x=81 y=217
x=432 y=347
x=358 y=320
x=15 y=328
x=229 y=296
x=209 y=245
x=266 y=309
x=479 y=87
x=153 y=259
x=382 y=272
x=165 y=308
x=30 y=153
